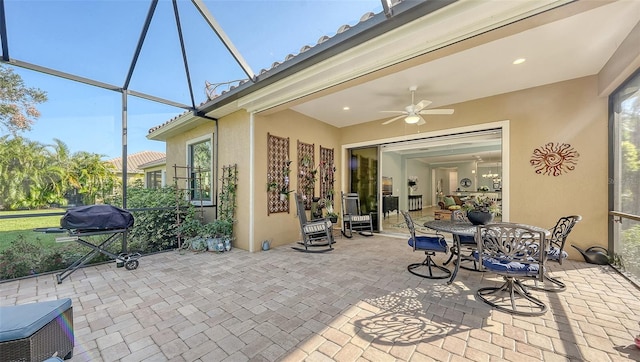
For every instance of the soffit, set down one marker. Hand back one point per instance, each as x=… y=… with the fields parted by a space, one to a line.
x=436 y=30
x=568 y=42
x=569 y=48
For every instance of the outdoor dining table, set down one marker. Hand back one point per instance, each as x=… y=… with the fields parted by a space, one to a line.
x=466 y=228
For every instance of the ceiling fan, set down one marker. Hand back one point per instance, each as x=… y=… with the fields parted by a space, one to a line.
x=412 y=114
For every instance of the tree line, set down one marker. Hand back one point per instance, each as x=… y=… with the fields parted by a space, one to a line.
x=34 y=175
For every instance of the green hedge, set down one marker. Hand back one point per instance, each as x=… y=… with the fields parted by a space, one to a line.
x=153 y=231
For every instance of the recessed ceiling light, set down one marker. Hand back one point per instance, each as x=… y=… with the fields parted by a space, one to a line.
x=345 y=108
x=519 y=61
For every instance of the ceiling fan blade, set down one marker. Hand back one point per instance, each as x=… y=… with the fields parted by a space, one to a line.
x=437 y=111
x=423 y=103
x=393 y=119
x=403 y=112
x=421 y=121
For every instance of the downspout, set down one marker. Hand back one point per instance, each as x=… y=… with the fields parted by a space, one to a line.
x=215 y=168
x=251 y=180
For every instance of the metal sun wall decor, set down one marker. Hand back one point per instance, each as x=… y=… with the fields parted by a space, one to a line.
x=554 y=159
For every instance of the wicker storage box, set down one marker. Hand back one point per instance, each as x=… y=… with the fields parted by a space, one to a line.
x=43 y=329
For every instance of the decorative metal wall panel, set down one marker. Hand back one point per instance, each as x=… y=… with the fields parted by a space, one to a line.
x=306 y=172
x=278 y=173
x=327 y=172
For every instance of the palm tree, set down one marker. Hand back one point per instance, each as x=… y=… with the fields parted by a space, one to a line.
x=92 y=177
x=21 y=163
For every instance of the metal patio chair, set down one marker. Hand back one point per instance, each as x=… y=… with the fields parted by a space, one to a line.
x=556 y=253
x=511 y=250
x=430 y=243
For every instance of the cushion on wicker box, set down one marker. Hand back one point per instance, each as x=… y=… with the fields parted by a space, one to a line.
x=21 y=321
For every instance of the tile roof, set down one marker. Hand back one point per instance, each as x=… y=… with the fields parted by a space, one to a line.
x=212 y=95
x=134 y=160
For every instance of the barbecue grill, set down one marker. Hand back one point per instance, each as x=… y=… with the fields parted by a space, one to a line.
x=85 y=221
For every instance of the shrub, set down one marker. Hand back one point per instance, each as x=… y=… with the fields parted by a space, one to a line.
x=27 y=257
x=154 y=230
x=21 y=258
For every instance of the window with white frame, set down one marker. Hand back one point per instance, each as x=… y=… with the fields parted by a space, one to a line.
x=200 y=162
x=154 y=179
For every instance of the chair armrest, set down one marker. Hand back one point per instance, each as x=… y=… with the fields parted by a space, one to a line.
x=429 y=233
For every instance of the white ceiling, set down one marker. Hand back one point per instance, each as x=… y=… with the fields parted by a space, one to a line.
x=571 y=47
x=445 y=151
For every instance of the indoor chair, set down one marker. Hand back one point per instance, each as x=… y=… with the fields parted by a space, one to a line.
x=352 y=218
x=316 y=233
x=556 y=253
x=430 y=243
x=511 y=250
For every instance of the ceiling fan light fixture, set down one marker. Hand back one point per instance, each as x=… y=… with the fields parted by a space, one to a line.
x=412 y=119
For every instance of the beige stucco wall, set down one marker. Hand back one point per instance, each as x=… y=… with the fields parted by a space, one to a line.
x=567 y=112
x=177 y=155
x=283 y=228
x=234 y=148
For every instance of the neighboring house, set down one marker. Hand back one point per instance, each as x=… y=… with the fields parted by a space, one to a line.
x=459 y=56
x=155 y=173
x=135 y=161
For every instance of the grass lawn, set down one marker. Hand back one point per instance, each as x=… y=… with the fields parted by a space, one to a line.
x=11 y=228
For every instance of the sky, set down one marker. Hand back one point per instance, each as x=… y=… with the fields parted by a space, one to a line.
x=96 y=39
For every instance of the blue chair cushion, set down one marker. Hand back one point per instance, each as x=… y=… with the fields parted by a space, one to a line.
x=506 y=267
x=467 y=240
x=431 y=243
x=22 y=321
x=555 y=254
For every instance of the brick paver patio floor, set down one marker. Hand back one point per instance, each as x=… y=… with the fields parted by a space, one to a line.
x=357 y=303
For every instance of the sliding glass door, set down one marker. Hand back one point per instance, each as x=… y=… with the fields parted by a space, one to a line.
x=364 y=179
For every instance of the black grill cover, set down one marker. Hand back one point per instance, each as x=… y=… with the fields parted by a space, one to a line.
x=96 y=217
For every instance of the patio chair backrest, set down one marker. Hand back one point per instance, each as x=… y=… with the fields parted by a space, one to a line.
x=302 y=214
x=508 y=244
x=562 y=229
x=412 y=232
x=410 y=225
x=350 y=204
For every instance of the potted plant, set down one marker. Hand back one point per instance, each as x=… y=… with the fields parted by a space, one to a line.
x=412 y=183
x=282 y=188
x=481 y=210
x=192 y=230
x=218 y=234
x=225 y=231
x=331 y=214
x=210 y=233
x=308 y=176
